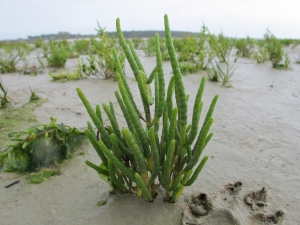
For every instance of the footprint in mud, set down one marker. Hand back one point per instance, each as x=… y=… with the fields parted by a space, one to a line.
x=269 y=219
x=227 y=209
x=200 y=211
x=200 y=204
x=256 y=199
x=229 y=193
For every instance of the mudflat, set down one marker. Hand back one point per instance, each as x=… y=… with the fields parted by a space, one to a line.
x=251 y=177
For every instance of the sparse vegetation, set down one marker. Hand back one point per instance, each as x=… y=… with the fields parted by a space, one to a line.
x=31 y=70
x=194 y=51
x=286 y=41
x=217 y=72
x=188 y=68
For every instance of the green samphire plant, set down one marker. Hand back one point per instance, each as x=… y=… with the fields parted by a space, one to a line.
x=154 y=150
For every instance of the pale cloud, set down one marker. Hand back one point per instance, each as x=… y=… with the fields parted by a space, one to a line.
x=34 y=17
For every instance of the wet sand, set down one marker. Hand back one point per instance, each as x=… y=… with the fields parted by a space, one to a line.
x=256 y=142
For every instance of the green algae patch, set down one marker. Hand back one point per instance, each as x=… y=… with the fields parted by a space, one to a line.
x=102 y=202
x=42 y=175
x=17 y=119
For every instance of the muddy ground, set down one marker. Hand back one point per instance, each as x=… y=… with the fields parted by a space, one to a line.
x=251 y=177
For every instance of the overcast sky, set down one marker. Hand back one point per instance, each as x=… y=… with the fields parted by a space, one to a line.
x=21 y=18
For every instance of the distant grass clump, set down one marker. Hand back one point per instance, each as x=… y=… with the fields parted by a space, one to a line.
x=39 y=42
x=188 y=50
x=82 y=46
x=220 y=44
x=196 y=52
x=204 y=53
x=58 y=54
x=276 y=53
x=149 y=48
x=218 y=72
x=244 y=47
x=102 y=63
x=11 y=54
x=261 y=54
x=137 y=42
x=286 y=41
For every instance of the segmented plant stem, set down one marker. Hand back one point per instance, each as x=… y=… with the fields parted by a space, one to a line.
x=130 y=140
x=112 y=120
x=198 y=148
x=135 y=120
x=196 y=173
x=117 y=162
x=179 y=88
x=127 y=51
x=161 y=82
x=113 y=177
x=94 y=142
x=155 y=155
x=94 y=117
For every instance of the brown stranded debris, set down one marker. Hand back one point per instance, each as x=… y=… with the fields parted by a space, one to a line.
x=12 y=184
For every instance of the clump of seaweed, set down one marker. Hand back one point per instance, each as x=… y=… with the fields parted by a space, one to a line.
x=35 y=148
x=135 y=157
